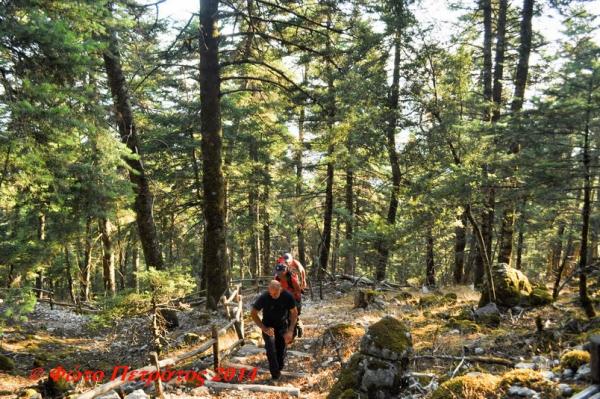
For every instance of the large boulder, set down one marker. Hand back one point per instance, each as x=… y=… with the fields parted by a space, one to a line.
x=510 y=285
x=378 y=370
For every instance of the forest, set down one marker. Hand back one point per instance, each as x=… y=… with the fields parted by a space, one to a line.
x=410 y=145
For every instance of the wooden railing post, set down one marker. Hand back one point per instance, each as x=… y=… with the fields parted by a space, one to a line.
x=157 y=382
x=239 y=318
x=595 y=358
x=215 y=336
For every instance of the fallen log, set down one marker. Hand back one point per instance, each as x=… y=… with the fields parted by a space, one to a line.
x=474 y=359
x=109 y=386
x=221 y=386
x=587 y=393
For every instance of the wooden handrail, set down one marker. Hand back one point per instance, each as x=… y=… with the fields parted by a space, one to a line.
x=236 y=321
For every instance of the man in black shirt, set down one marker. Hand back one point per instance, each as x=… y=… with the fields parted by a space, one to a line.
x=277 y=324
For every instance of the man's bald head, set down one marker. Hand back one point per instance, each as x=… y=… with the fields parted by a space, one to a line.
x=274 y=289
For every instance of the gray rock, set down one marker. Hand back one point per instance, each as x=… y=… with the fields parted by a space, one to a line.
x=547 y=374
x=524 y=365
x=565 y=389
x=379 y=378
x=110 y=395
x=567 y=373
x=137 y=394
x=583 y=372
x=479 y=351
x=522 y=391
x=346 y=286
x=488 y=314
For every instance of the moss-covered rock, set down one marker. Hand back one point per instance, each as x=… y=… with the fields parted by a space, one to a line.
x=574 y=359
x=6 y=363
x=389 y=338
x=348 y=378
x=481 y=386
x=379 y=369
x=510 y=285
x=488 y=315
x=531 y=379
x=539 y=296
x=464 y=326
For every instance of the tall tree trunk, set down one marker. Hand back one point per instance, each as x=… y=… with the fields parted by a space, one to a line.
x=350 y=260
x=383 y=246
x=430 y=262
x=135 y=265
x=470 y=265
x=487 y=215
x=327 y=216
x=520 y=241
x=127 y=130
x=253 y=210
x=85 y=265
x=328 y=211
x=486 y=6
x=39 y=280
x=459 y=248
x=299 y=179
x=214 y=258
x=68 y=274
x=499 y=60
x=508 y=216
x=557 y=247
x=336 y=246
x=266 y=220
x=586 y=303
x=108 y=257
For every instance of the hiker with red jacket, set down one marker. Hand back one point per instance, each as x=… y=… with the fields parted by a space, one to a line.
x=295 y=267
x=289 y=282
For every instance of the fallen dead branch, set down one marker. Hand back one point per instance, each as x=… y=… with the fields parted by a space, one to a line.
x=473 y=359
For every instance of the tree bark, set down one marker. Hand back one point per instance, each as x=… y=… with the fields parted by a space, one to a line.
x=459 y=248
x=137 y=175
x=68 y=274
x=108 y=257
x=214 y=257
x=266 y=220
x=299 y=179
x=39 y=280
x=499 y=60
x=328 y=211
x=486 y=6
x=253 y=210
x=383 y=246
x=508 y=216
x=85 y=265
x=586 y=303
x=350 y=260
x=430 y=262
x=487 y=216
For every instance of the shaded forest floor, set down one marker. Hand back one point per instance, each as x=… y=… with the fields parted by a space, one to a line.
x=333 y=328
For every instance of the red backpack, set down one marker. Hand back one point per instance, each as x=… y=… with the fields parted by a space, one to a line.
x=290 y=283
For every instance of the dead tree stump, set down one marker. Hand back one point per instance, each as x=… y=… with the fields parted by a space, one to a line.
x=363 y=298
